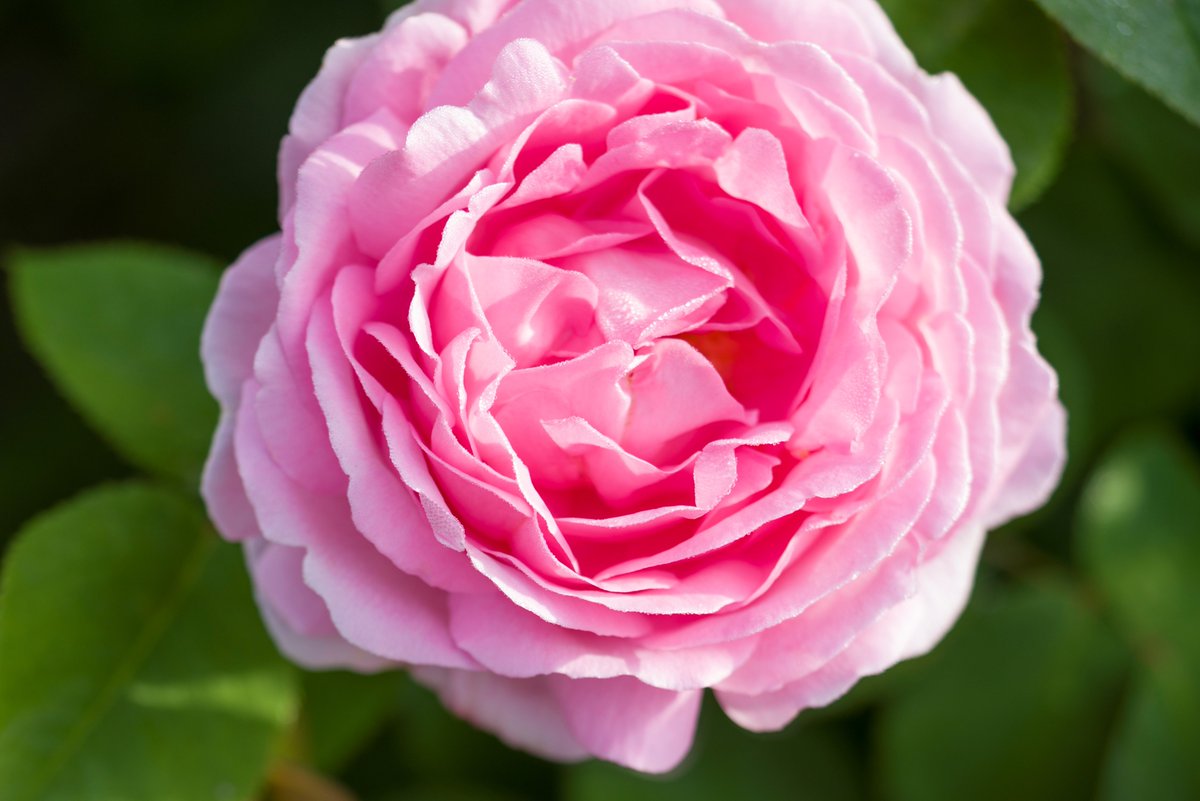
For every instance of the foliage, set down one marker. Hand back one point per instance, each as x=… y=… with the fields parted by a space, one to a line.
x=134 y=665
x=1014 y=61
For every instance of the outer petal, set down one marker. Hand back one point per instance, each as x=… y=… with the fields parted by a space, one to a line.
x=318 y=114
x=296 y=616
x=521 y=712
x=561 y=25
x=487 y=626
x=239 y=318
x=627 y=722
x=906 y=630
x=832 y=24
x=373 y=605
x=1032 y=420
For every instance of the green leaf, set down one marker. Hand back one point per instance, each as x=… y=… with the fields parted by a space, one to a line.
x=134 y=665
x=1014 y=705
x=48 y=453
x=1014 y=61
x=1152 y=42
x=870 y=691
x=117 y=326
x=1148 y=760
x=451 y=792
x=1190 y=10
x=803 y=762
x=1122 y=294
x=1160 y=149
x=1138 y=537
x=342 y=710
x=430 y=747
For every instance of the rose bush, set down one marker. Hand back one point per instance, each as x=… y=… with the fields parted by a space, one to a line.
x=613 y=350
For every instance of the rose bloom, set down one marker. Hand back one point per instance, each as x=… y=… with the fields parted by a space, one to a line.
x=612 y=350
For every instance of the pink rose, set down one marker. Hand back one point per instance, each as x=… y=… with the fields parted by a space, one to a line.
x=617 y=349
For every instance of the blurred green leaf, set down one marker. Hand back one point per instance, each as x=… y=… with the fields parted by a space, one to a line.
x=117 y=326
x=1149 y=41
x=870 y=691
x=1117 y=293
x=1147 y=759
x=1190 y=9
x=134 y=666
x=803 y=762
x=49 y=453
x=342 y=710
x=437 y=749
x=1015 y=704
x=450 y=792
x=1011 y=58
x=1139 y=538
x=1160 y=149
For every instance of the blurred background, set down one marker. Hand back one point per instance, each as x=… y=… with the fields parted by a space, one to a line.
x=1073 y=674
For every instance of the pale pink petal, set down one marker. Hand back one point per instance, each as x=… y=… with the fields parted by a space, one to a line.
x=754 y=168
x=646 y=294
x=828 y=23
x=320 y=653
x=908 y=629
x=1032 y=464
x=534 y=309
x=318 y=113
x=474 y=15
x=589 y=386
x=410 y=618
x=809 y=78
x=676 y=145
x=379 y=609
x=487 y=626
x=887 y=48
x=521 y=712
x=239 y=318
x=318 y=239
x=277 y=573
x=846 y=548
x=445 y=146
x=962 y=123
x=681 y=62
x=291 y=422
x=804 y=645
x=676 y=394
x=560 y=173
x=401 y=67
x=383 y=508
x=628 y=722
x=561 y=25
x=222 y=489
